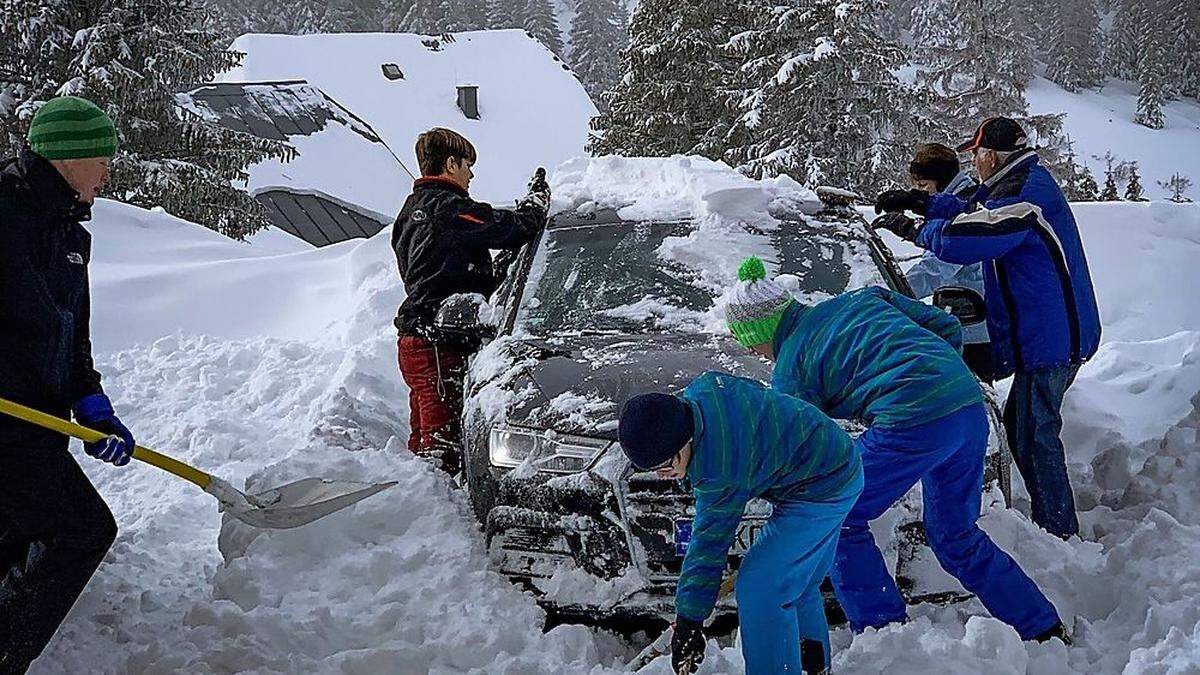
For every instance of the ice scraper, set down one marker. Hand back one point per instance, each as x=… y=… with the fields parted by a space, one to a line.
x=287 y=506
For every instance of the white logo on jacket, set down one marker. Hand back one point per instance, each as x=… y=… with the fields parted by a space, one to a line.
x=74 y=257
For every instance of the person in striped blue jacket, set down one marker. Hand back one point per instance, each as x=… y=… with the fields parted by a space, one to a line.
x=736 y=440
x=893 y=363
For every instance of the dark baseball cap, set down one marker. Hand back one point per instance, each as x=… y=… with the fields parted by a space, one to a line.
x=996 y=133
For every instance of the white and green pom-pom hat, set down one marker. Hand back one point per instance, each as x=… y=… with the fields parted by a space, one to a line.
x=757 y=304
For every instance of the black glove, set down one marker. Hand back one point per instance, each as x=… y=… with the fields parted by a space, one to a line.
x=539 y=192
x=904 y=227
x=687 y=645
x=898 y=201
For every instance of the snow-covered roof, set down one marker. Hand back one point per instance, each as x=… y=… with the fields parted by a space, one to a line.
x=533 y=110
x=313 y=196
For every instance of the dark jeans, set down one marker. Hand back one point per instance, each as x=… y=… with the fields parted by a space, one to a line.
x=54 y=531
x=434 y=375
x=1033 y=420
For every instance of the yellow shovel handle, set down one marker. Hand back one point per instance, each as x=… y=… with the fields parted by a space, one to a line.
x=62 y=426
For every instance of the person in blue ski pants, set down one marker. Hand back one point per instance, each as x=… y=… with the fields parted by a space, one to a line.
x=736 y=440
x=894 y=363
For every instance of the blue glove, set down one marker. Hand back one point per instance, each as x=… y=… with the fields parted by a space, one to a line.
x=96 y=412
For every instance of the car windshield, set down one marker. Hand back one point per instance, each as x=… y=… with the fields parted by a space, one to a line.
x=617 y=277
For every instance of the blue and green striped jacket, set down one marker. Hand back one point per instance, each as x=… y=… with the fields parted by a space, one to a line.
x=876 y=356
x=750 y=442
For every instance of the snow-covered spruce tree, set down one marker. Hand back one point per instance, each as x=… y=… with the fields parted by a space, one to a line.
x=352 y=16
x=976 y=57
x=1113 y=172
x=434 y=17
x=298 y=17
x=1133 y=189
x=429 y=17
x=675 y=94
x=821 y=103
x=506 y=13
x=130 y=57
x=1124 y=51
x=1186 y=45
x=1079 y=185
x=1074 y=58
x=1152 y=78
x=1109 y=192
x=542 y=24
x=599 y=32
x=1179 y=22
x=1177 y=185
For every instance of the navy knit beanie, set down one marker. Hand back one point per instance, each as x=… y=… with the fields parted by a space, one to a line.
x=653 y=428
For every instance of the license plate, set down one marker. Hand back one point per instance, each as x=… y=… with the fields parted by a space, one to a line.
x=747 y=532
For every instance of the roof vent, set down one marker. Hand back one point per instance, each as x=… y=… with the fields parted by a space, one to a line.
x=392 y=71
x=468 y=101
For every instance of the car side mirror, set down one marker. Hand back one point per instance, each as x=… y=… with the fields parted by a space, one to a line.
x=967 y=305
x=466 y=318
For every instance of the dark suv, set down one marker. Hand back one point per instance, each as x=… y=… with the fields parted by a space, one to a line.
x=598 y=310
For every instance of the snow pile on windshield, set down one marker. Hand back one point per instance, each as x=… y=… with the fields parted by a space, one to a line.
x=651 y=188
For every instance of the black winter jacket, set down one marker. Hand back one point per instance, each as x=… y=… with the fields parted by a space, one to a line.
x=45 y=304
x=442 y=239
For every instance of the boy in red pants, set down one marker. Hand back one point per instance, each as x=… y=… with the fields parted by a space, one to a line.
x=443 y=241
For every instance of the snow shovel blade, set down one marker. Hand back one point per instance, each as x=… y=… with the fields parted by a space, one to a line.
x=285 y=507
x=294 y=504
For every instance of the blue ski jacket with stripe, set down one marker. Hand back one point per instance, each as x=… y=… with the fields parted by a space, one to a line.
x=1041 y=307
x=876 y=356
x=750 y=442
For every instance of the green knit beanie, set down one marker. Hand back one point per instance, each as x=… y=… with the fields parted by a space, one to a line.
x=69 y=127
x=757 y=305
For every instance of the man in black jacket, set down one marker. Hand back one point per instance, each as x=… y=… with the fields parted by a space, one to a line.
x=54 y=527
x=443 y=241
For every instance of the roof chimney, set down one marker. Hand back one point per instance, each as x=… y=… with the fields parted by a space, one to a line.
x=468 y=100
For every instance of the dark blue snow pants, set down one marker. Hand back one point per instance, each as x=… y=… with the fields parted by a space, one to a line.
x=946 y=455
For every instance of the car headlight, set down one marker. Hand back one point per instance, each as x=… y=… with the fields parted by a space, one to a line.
x=546 y=451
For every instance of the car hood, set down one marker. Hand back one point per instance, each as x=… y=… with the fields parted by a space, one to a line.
x=581 y=382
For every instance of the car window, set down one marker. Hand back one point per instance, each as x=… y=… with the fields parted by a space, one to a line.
x=826 y=257
x=614 y=277
x=611 y=278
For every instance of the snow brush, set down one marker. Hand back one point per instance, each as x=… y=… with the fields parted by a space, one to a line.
x=292 y=505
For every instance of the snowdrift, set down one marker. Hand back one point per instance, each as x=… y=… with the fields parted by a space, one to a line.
x=264 y=365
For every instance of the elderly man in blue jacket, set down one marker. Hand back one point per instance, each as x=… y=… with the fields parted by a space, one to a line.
x=736 y=440
x=1042 y=314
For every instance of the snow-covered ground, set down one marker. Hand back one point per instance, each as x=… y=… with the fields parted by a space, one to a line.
x=1102 y=121
x=264 y=364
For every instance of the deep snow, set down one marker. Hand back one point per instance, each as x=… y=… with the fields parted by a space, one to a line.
x=264 y=365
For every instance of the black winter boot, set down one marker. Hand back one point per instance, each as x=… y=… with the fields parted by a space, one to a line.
x=1058 y=630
